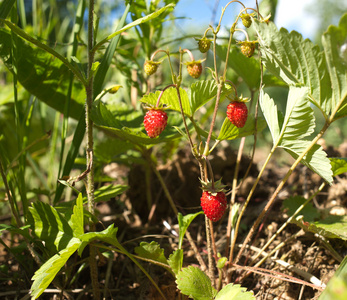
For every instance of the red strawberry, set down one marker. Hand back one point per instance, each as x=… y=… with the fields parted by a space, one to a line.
x=213 y=205
x=194 y=69
x=237 y=113
x=155 y=122
x=213 y=200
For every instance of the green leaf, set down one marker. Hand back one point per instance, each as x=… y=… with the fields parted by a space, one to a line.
x=337 y=286
x=338 y=165
x=135 y=23
x=316 y=159
x=195 y=283
x=42 y=75
x=308 y=213
x=107 y=192
x=183 y=223
x=234 y=292
x=5 y=8
x=298 y=123
x=332 y=227
x=271 y=114
x=152 y=251
x=47 y=272
x=296 y=61
x=170 y=99
x=175 y=261
x=299 y=120
x=335 y=47
x=77 y=217
x=230 y=132
x=50 y=226
x=109 y=235
x=202 y=92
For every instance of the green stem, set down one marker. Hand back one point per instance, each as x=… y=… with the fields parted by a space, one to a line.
x=89 y=150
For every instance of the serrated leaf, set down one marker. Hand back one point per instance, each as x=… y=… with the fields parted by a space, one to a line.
x=332 y=227
x=194 y=283
x=299 y=120
x=109 y=235
x=152 y=251
x=50 y=226
x=202 y=92
x=77 y=217
x=234 y=292
x=296 y=61
x=230 y=132
x=335 y=47
x=316 y=159
x=170 y=99
x=44 y=276
x=183 y=223
x=338 y=165
x=175 y=261
x=271 y=114
x=309 y=213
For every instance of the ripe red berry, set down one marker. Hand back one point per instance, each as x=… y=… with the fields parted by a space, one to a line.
x=213 y=205
x=155 y=122
x=194 y=69
x=237 y=113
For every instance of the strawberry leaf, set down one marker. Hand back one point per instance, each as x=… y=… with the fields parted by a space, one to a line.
x=170 y=99
x=176 y=261
x=298 y=123
x=335 y=47
x=202 y=92
x=234 y=292
x=50 y=226
x=296 y=61
x=152 y=251
x=195 y=283
x=338 y=165
x=44 y=276
x=183 y=223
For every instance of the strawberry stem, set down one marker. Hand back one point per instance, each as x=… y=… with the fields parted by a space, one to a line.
x=161 y=94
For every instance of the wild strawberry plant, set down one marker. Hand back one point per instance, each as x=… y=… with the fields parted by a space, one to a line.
x=314 y=77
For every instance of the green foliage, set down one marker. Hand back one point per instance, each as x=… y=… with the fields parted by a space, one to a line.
x=299 y=62
x=194 y=283
x=42 y=75
x=183 y=223
x=151 y=251
x=310 y=219
x=234 y=292
x=298 y=122
x=338 y=165
x=176 y=261
x=47 y=272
